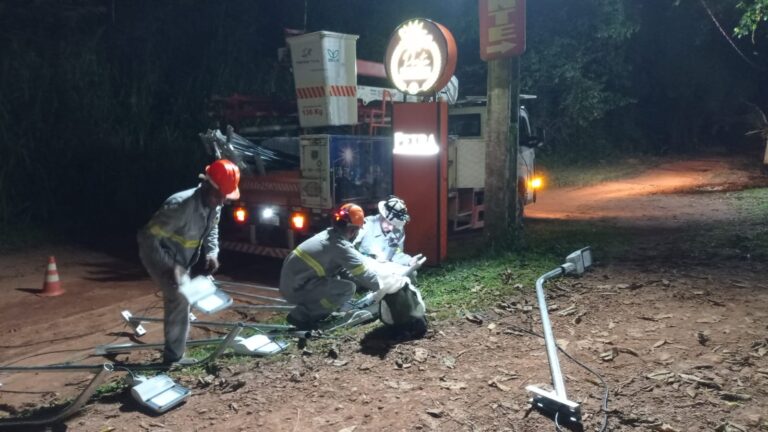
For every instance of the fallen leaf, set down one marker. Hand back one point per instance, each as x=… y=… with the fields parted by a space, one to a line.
x=474 y=318
x=453 y=385
x=495 y=383
x=339 y=363
x=735 y=397
x=731 y=427
x=420 y=355
x=435 y=412
x=659 y=343
x=491 y=326
x=629 y=351
x=660 y=375
x=570 y=310
x=701 y=381
x=691 y=392
x=348 y=429
x=448 y=362
x=609 y=355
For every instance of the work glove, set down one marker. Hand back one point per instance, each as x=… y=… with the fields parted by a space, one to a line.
x=211 y=264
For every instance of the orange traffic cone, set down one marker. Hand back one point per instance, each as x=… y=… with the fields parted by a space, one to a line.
x=52 y=286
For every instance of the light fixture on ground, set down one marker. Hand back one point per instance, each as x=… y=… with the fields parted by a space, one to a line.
x=556 y=403
x=202 y=293
x=159 y=393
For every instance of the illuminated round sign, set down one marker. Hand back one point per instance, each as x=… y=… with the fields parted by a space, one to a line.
x=421 y=57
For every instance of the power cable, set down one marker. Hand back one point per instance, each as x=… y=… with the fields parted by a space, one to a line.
x=728 y=38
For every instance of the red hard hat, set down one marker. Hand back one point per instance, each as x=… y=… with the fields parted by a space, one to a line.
x=349 y=214
x=224 y=175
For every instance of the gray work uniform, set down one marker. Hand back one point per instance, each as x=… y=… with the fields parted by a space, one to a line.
x=174 y=236
x=309 y=275
x=374 y=242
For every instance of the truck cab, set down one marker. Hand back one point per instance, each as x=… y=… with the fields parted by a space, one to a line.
x=466 y=161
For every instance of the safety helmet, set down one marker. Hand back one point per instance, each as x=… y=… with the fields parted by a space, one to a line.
x=394 y=210
x=224 y=175
x=349 y=214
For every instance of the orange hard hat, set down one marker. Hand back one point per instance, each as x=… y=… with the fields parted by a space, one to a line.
x=224 y=175
x=349 y=214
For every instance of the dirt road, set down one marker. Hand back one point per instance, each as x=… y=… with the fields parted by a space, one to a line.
x=678 y=335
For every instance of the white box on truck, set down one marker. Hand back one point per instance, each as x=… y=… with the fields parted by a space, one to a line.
x=325 y=76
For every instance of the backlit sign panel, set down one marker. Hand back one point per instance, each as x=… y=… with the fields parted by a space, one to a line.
x=415 y=144
x=421 y=57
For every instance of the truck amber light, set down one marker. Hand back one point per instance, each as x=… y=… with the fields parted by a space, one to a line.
x=536 y=183
x=298 y=221
x=241 y=214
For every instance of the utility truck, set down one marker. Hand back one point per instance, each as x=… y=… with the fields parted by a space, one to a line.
x=290 y=185
x=336 y=147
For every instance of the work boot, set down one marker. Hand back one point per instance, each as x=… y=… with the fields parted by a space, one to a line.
x=301 y=324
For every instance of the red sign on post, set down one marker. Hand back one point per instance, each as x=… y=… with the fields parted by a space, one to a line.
x=502 y=28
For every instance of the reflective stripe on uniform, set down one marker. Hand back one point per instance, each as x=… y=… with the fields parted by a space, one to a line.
x=327 y=304
x=310 y=261
x=357 y=271
x=156 y=231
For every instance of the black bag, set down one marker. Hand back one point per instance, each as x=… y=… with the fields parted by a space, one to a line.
x=404 y=312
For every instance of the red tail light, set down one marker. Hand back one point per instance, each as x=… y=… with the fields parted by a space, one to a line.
x=298 y=221
x=241 y=214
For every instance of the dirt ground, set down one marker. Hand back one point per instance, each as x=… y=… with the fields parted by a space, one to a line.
x=678 y=335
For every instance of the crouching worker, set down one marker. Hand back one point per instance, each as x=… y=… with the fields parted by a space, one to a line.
x=309 y=278
x=171 y=243
x=383 y=235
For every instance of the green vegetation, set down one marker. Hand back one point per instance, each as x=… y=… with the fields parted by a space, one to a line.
x=558 y=173
x=99 y=117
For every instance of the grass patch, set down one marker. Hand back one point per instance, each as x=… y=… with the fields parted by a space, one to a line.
x=562 y=174
x=475 y=278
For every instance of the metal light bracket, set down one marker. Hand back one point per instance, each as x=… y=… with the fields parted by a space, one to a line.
x=549 y=402
x=556 y=403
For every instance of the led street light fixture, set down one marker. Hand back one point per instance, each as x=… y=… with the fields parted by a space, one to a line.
x=158 y=393
x=259 y=345
x=204 y=296
x=580 y=261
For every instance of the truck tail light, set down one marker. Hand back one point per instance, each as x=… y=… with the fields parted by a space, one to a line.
x=298 y=221
x=241 y=214
x=536 y=183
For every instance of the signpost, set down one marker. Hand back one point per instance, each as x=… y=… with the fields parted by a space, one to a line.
x=502 y=40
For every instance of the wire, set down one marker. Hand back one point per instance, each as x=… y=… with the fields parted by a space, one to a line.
x=725 y=35
x=133 y=377
x=604 y=406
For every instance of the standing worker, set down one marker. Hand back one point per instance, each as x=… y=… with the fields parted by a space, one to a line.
x=383 y=235
x=309 y=278
x=171 y=242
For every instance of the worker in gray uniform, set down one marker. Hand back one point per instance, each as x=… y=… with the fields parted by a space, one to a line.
x=383 y=235
x=309 y=278
x=172 y=241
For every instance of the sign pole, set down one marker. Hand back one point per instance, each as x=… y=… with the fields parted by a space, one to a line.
x=500 y=198
x=502 y=41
